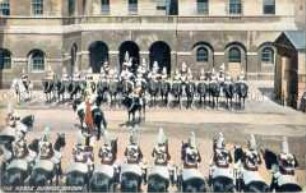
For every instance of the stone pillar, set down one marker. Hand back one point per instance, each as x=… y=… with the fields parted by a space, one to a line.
x=252 y=66
x=85 y=61
x=219 y=59
x=113 y=59
x=144 y=55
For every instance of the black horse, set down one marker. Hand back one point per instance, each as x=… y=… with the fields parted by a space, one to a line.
x=214 y=92
x=271 y=161
x=176 y=92
x=242 y=93
x=202 y=91
x=97 y=114
x=45 y=170
x=190 y=90
x=60 y=90
x=133 y=105
x=102 y=89
x=48 y=89
x=255 y=182
x=73 y=87
x=153 y=90
x=113 y=89
x=229 y=90
x=164 y=92
x=78 y=176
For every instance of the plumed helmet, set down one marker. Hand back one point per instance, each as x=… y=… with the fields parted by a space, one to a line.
x=220 y=140
x=213 y=71
x=127 y=56
x=155 y=65
x=222 y=67
x=192 y=140
x=46 y=134
x=285 y=146
x=144 y=62
x=164 y=70
x=252 y=142
x=133 y=138
x=161 y=138
x=184 y=65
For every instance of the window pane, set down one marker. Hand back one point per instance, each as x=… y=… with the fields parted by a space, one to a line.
x=5 y=59
x=38 y=63
x=105 y=6
x=267 y=55
x=235 y=7
x=161 y=4
x=133 y=6
x=269 y=6
x=71 y=7
x=5 y=8
x=234 y=55
x=37 y=6
x=202 y=55
x=202 y=6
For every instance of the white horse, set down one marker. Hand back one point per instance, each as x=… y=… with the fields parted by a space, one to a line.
x=20 y=91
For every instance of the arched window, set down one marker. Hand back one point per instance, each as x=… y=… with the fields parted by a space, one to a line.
x=235 y=7
x=71 y=7
x=269 y=6
x=234 y=55
x=202 y=54
x=37 y=60
x=267 y=55
x=105 y=6
x=203 y=7
x=5 y=59
x=37 y=7
x=133 y=6
x=5 y=7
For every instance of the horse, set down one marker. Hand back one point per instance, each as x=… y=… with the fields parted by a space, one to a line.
x=159 y=179
x=98 y=116
x=229 y=90
x=191 y=180
x=131 y=178
x=21 y=90
x=48 y=89
x=73 y=88
x=242 y=93
x=247 y=180
x=134 y=104
x=190 y=90
x=16 y=173
x=113 y=89
x=78 y=175
x=202 y=91
x=164 y=91
x=222 y=180
x=153 y=90
x=176 y=91
x=102 y=89
x=46 y=169
x=284 y=182
x=214 y=92
x=60 y=90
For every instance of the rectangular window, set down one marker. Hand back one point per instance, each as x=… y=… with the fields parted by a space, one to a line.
x=235 y=7
x=105 y=6
x=37 y=6
x=202 y=6
x=133 y=7
x=161 y=4
x=269 y=7
x=5 y=8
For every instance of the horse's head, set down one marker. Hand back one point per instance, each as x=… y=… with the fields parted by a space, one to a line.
x=270 y=158
x=60 y=141
x=34 y=145
x=238 y=154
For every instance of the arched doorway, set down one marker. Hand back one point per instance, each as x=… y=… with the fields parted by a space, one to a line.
x=160 y=52
x=98 y=52
x=73 y=55
x=133 y=51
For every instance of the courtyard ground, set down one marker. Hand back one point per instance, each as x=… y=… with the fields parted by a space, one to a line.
x=262 y=116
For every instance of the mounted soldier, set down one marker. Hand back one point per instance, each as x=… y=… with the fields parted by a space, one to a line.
x=184 y=72
x=287 y=161
x=105 y=68
x=161 y=152
x=222 y=158
x=221 y=74
x=241 y=77
x=126 y=75
x=133 y=152
x=213 y=76
x=189 y=75
x=252 y=157
x=142 y=69
x=190 y=154
x=106 y=152
x=25 y=80
x=45 y=146
x=20 y=149
x=154 y=74
x=164 y=75
x=202 y=76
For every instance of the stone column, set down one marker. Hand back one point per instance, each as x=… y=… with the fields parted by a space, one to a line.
x=113 y=59
x=85 y=60
x=145 y=55
x=252 y=68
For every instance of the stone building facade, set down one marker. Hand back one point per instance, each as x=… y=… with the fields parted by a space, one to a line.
x=38 y=34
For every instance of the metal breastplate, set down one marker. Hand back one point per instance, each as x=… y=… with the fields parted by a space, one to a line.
x=192 y=156
x=132 y=154
x=222 y=158
x=160 y=155
x=107 y=155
